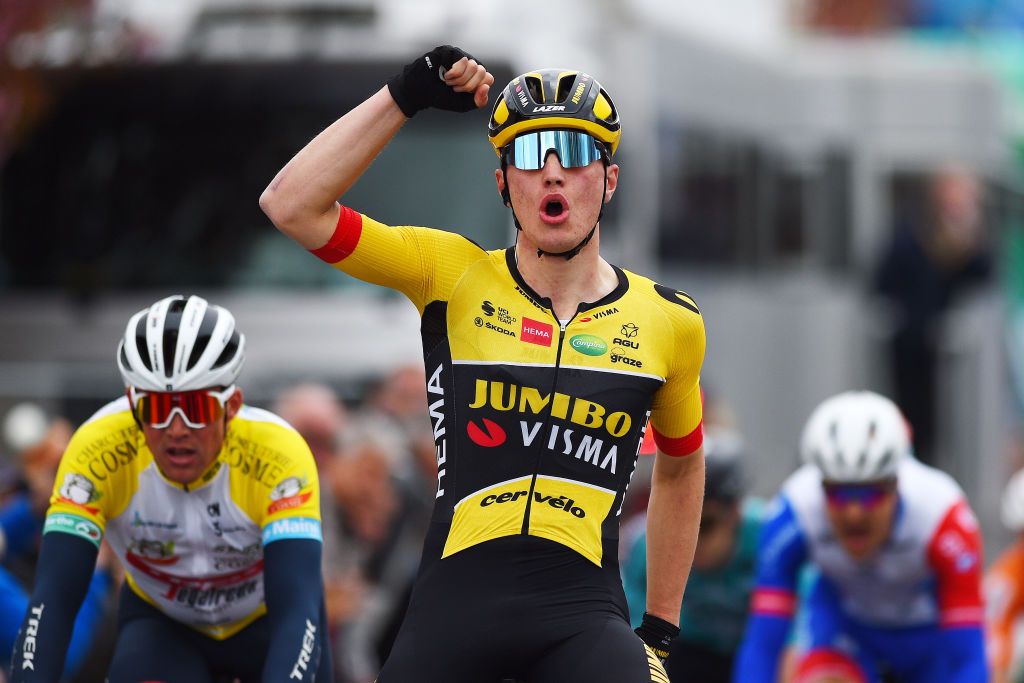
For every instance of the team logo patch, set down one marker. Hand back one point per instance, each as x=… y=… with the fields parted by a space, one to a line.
x=74 y=525
x=535 y=332
x=79 y=490
x=589 y=345
x=488 y=436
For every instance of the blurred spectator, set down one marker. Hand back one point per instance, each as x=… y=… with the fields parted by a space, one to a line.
x=1004 y=592
x=715 y=605
x=932 y=258
x=851 y=17
x=38 y=443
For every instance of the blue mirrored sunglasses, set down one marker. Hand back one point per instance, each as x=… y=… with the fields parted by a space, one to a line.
x=575 y=149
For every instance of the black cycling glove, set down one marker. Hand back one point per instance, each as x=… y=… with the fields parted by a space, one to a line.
x=657 y=634
x=421 y=84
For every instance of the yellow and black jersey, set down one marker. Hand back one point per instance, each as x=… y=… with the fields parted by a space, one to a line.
x=537 y=422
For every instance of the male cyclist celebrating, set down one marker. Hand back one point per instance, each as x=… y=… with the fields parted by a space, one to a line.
x=212 y=507
x=542 y=363
x=897 y=551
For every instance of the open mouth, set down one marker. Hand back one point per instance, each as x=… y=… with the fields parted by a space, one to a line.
x=180 y=455
x=554 y=209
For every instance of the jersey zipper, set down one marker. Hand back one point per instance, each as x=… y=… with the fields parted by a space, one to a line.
x=545 y=433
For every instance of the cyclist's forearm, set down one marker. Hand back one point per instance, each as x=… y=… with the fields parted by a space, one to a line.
x=302 y=198
x=62 y=579
x=673 y=518
x=294 y=593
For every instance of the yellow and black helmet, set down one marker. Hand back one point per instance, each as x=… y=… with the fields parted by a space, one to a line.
x=548 y=99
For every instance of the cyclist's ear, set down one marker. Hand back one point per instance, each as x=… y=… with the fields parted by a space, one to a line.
x=499 y=178
x=233 y=405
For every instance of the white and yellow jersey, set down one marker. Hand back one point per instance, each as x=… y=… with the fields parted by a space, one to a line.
x=195 y=552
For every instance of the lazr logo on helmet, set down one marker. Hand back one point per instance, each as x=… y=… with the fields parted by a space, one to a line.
x=548 y=107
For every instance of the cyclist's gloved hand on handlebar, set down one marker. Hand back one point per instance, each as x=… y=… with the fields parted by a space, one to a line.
x=657 y=634
x=422 y=83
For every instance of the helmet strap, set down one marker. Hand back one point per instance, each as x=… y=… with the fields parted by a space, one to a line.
x=567 y=255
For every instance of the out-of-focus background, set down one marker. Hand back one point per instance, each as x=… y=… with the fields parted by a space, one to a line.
x=838 y=183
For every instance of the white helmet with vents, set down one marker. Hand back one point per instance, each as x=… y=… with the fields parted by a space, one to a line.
x=181 y=344
x=1012 y=508
x=857 y=436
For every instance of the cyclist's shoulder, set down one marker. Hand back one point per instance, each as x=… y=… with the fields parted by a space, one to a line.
x=111 y=425
x=431 y=239
x=675 y=302
x=258 y=433
x=927 y=493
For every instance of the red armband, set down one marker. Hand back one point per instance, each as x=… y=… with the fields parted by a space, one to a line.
x=345 y=238
x=683 y=445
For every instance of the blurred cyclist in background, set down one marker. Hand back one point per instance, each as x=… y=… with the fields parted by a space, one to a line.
x=211 y=506
x=1004 y=592
x=542 y=362
x=897 y=551
x=714 y=613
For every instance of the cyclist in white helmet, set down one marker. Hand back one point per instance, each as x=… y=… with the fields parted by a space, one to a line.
x=896 y=551
x=211 y=506
x=1004 y=592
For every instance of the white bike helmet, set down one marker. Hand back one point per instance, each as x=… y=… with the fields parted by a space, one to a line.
x=1012 y=509
x=857 y=436
x=180 y=344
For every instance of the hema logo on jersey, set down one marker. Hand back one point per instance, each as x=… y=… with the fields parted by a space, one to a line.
x=292 y=527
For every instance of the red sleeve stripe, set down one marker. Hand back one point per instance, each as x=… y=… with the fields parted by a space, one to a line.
x=683 y=445
x=345 y=238
x=773 y=602
x=962 y=616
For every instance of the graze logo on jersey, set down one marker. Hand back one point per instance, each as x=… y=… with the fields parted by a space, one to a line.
x=677 y=297
x=619 y=355
x=289 y=494
x=435 y=409
x=561 y=502
x=489 y=435
x=536 y=332
x=79 y=490
x=588 y=344
x=525 y=400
